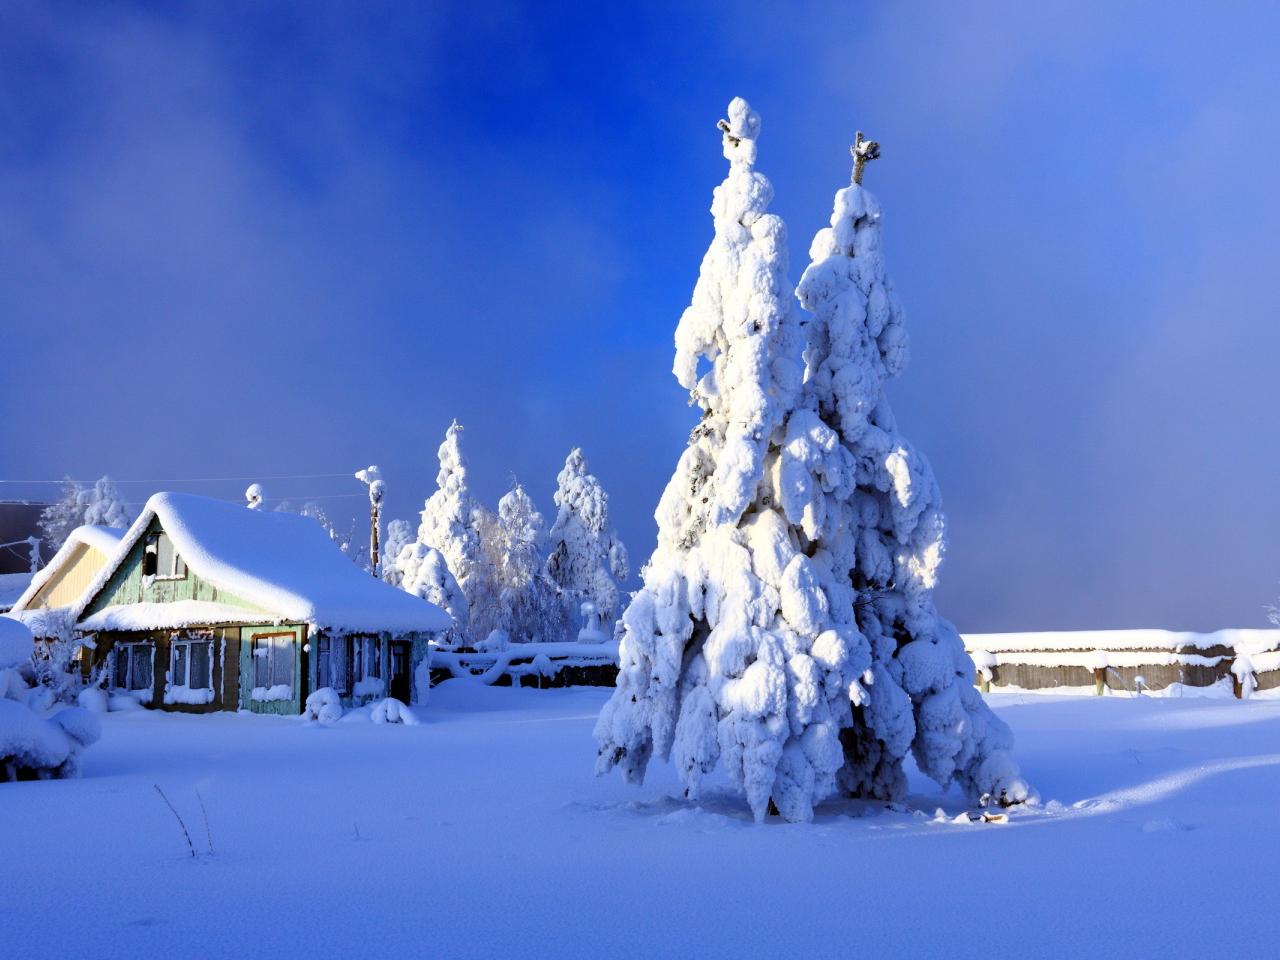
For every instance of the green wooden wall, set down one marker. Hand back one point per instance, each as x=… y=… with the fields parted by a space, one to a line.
x=287 y=707
x=127 y=585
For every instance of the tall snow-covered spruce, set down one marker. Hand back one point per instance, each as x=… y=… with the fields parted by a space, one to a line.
x=920 y=696
x=449 y=523
x=745 y=647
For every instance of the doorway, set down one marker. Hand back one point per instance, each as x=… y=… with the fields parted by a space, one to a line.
x=400 y=683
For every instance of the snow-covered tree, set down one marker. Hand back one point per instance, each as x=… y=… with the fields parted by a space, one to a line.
x=586 y=559
x=100 y=504
x=530 y=602
x=921 y=696
x=104 y=507
x=348 y=540
x=57 y=520
x=424 y=572
x=484 y=592
x=449 y=518
x=743 y=648
x=399 y=536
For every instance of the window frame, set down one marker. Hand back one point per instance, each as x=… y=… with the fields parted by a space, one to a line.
x=293 y=646
x=151 y=559
x=126 y=649
x=187 y=641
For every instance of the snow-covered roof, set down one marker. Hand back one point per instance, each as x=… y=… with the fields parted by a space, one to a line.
x=281 y=562
x=105 y=540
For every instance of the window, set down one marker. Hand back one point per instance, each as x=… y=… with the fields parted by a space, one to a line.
x=350 y=665
x=190 y=669
x=133 y=672
x=273 y=660
x=160 y=560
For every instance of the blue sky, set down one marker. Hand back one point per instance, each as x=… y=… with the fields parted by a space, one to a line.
x=247 y=241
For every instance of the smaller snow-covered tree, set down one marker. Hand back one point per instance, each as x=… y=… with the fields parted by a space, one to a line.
x=425 y=573
x=399 y=536
x=101 y=505
x=452 y=521
x=57 y=520
x=104 y=507
x=488 y=609
x=530 y=601
x=586 y=559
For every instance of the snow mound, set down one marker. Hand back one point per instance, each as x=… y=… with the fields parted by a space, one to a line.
x=325 y=705
x=392 y=710
x=16 y=643
x=32 y=746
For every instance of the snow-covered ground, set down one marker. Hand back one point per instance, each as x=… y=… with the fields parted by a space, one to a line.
x=482 y=832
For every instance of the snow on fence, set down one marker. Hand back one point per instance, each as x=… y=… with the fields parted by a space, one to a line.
x=1223 y=663
x=533 y=664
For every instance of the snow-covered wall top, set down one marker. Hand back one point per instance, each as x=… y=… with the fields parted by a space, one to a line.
x=106 y=540
x=281 y=562
x=1242 y=641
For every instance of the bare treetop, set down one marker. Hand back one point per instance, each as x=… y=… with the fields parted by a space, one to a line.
x=862 y=151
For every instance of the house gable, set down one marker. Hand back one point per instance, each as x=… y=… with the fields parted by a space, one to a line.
x=128 y=585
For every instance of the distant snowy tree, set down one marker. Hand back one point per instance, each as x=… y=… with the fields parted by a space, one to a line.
x=348 y=538
x=488 y=608
x=100 y=504
x=743 y=648
x=425 y=573
x=104 y=507
x=451 y=519
x=57 y=520
x=530 y=602
x=586 y=559
x=399 y=536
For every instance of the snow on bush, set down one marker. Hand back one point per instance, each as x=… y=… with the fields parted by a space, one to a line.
x=16 y=643
x=31 y=745
x=786 y=629
x=34 y=747
x=392 y=710
x=324 y=705
x=586 y=559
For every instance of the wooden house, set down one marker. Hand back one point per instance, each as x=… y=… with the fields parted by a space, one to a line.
x=60 y=584
x=207 y=605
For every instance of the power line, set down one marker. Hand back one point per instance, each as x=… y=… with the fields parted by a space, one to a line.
x=299 y=476
x=299 y=497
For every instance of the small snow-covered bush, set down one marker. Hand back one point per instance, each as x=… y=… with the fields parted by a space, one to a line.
x=392 y=710
x=32 y=746
x=324 y=705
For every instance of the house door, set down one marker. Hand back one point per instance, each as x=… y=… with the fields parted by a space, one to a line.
x=400 y=683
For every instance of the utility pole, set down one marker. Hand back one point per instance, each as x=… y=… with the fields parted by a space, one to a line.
x=371 y=477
